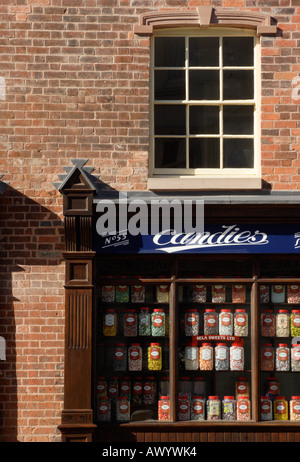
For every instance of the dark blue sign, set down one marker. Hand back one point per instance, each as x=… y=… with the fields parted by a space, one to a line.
x=217 y=239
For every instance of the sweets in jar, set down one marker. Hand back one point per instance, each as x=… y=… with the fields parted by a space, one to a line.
x=272 y=387
x=137 y=390
x=229 y=408
x=101 y=387
x=198 y=408
x=295 y=323
x=137 y=293
x=218 y=293
x=243 y=408
x=164 y=408
x=278 y=293
x=282 y=357
x=206 y=360
x=266 y=408
x=213 y=408
x=162 y=293
x=264 y=293
x=191 y=357
x=267 y=358
x=149 y=390
x=197 y=293
x=238 y=293
x=268 y=323
x=123 y=408
x=122 y=293
x=211 y=322
x=184 y=412
x=295 y=358
x=135 y=357
x=282 y=323
x=221 y=357
x=130 y=323
x=154 y=357
x=281 y=411
x=104 y=409
x=112 y=387
x=241 y=322
x=293 y=293
x=191 y=322
x=236 y=357
x=120 y=357
x=144 y=322
x=295 y=408
x=125 y=387
x=158 y=322
x=110 y=323
x=225 y=322
x=108 y=293
x=242 y=387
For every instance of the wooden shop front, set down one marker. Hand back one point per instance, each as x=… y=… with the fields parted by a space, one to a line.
x=148 y=357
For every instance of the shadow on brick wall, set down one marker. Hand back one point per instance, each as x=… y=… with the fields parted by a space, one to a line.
x=32 y=319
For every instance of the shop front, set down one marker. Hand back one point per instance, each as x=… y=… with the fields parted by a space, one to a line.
x=183 y=337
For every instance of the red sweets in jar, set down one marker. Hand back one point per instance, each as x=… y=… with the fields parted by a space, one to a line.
x=268 y=323
x=164 y=408
x=267 y=359
x=243 y=411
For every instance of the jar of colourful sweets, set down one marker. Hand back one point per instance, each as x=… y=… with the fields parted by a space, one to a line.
x=221 y=357
x=144 y=322
x=130 y=323
x=137 y=390
x=268 y=323
x=264 y=293
x=112 y=387
x=295 y=357
x=211 y=326
x=120 y=357
x=266 y=408
x=150 y=391
x=137 y=293
x=213 y=407
x=158 y=322
x=295 y=408
x=110 y=323
x=295 y=323
x=101 y=387
x=104 y=409
x=278 y=293
x=162 y=293
x=197 y=293
x=236 y=357
x=281 y=411
x=282 y=357
x=282 y=323
x=191 y=322
x=229 y=408
x=293 y=293
x=225 y=322
x=238 y=293
x=218 y=293
x=125 y=387
x=241 y=322
x=243 y=408
x=123 y=408
x=206 y=359
x=184 y=411
x=154 y=357
x=108 y=293
x=164 y=408
x=267 y=359
x=122 y=293
x=198 y=408
x=135 y=357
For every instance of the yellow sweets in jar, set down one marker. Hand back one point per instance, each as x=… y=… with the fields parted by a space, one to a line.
x=154 y=357
x=110 y=323
x=281 y=408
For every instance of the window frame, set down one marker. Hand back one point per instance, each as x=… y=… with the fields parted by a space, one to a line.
x=196 y=175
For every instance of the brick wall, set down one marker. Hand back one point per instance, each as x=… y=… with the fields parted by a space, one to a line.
x=74 y=83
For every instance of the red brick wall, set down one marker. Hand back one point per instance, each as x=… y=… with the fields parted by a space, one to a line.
x=74 y=83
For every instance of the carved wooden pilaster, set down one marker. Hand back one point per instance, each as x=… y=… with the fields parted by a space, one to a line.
x=77 y=416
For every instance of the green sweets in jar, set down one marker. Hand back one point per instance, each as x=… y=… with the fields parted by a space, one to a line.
x=295 y=323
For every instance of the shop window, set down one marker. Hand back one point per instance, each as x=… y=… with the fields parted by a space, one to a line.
x=205 y=109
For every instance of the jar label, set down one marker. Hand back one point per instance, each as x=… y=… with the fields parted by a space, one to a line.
x=238 y=288
x=280 y=407
x=282 y=321
x=241 y=388
x=137 y=389
x=123 y=408
x=155 y=353
x=191 y=319
x=241 y=320
x=191 y=354
x=122 y=288
x=135 y=353
x=221 y=353
x=225 y=319
x=282 y=354
x=243 y=406
x=165 y=407
x=158 y=320
x=147 y=389
x=199 y=288
x=296 y=354
x=296 y=320
x=294 y=289
x=218 y=288
x=109 y=320
x=267 y=353
x=265 y=407
x=274 y=388
x=108 y=288
x=267 y=320
x=206 y=354
x=112 y=390
x=130 y=320
x=296 y=407
x=138 y=288
x=197 y=407
x=119 y=354
x=183 y=408
x=237 y=354
x=278 y=289
x=211 y=320
x=163 y=288
x=103 y=409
